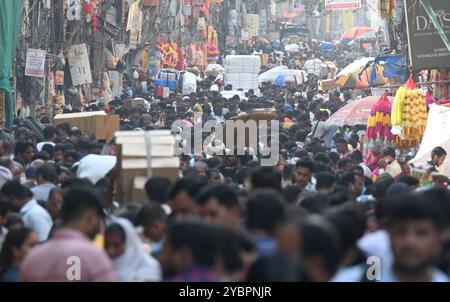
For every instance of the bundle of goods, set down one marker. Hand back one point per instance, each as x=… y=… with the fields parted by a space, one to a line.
x=211 y=47
x=242 y=72
x=409 y=115
x=141 y=155
x=379 y=124
x=189 y=83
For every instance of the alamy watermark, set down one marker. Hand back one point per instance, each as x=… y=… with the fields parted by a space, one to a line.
x=73 y=272
x=373 y=272
x=235 y=137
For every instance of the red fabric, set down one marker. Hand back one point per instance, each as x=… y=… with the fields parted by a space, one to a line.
x=94 y=24
x=372 y=160
x=205 y=7
x=180 y=62
x=88 y=8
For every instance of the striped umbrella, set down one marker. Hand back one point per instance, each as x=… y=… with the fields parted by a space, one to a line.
x=354 y=113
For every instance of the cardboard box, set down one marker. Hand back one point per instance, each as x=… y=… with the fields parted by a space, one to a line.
x=128 y=181
x=138 y=193
x=326 y=85
x=132 y=152
x=98 y=123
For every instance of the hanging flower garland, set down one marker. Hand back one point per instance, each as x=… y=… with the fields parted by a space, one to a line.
x=379 y=124
x=409 y=115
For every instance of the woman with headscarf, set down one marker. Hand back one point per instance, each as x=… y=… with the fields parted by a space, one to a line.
x=131 y=262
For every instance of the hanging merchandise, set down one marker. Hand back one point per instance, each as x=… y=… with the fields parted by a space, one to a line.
x=153 y=3
x=379 y=133
x=145 y=61
x=386 y=9
x=170 y=54
x=201 y=27
x=51 y=83
x=211 y=48
x=94 y=24
x=180 y=61
x=60 y=102
x=205 y=7
x=88 y=9
x=409 y=115
x=59 y=78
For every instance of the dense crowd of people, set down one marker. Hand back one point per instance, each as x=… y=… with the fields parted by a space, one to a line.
x=318 y=215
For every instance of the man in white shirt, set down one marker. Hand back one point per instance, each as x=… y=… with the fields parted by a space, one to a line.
x=49 y=134
x=33 y=215
x=46 y=178
x=303 y=175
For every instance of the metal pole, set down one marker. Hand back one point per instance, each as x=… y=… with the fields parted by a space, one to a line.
x=423 y=83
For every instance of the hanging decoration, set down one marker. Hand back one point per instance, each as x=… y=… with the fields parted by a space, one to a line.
x=211 y=47
x=89 y=9
x=170 y=54
x=409 y=115
x=379 y=124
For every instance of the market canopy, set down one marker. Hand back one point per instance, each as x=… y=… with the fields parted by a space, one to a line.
x=358 y=73
x=354 y=33
x=367 y=37
x=354 y=113
x=290 y=75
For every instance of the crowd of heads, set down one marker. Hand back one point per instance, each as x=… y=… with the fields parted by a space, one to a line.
x=317 y=215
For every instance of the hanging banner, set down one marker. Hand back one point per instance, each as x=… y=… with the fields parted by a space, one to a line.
x=51 y=84
x=342 y=4
x=251 y=25
x=262 y=22
x=80 y=69
x=135 y=33
x=428 y=24
x=133 y=14
x=347 y=17
x=35 y=63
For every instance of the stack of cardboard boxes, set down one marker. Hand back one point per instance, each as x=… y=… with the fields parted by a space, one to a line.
x=141 y=155
x=96 y=123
